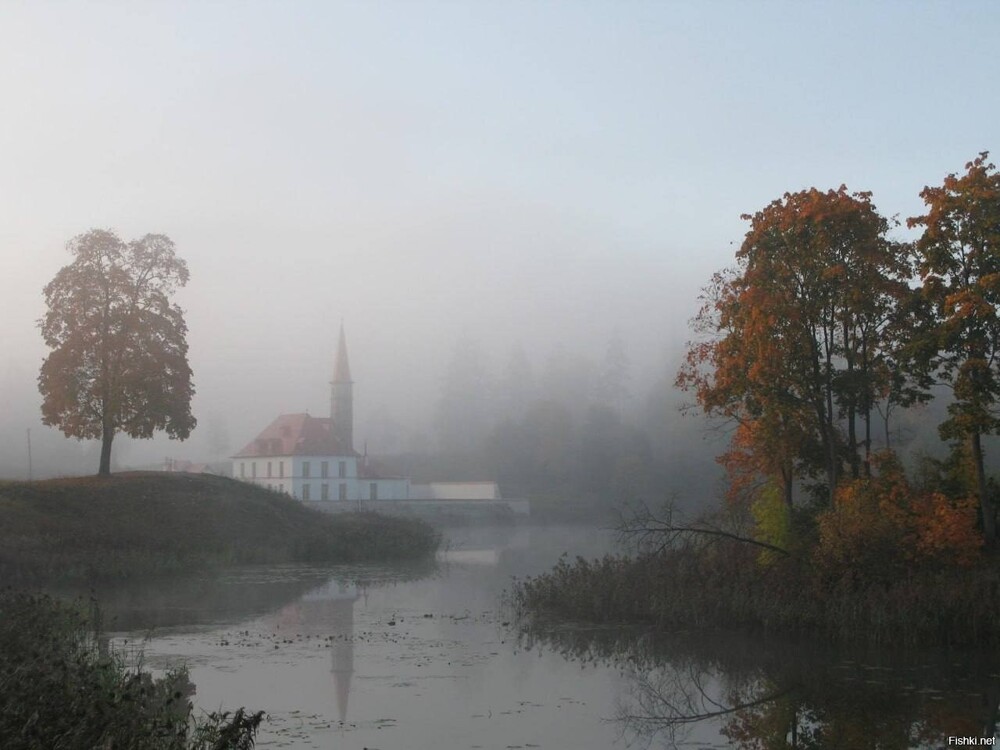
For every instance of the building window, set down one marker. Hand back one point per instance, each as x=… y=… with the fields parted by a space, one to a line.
x=343 y=490
x=281 y=469
x=325 y=491
x=324 y=469
x=342 y=469
x=269 y=471
x=305 y=491
x=243 y=472
x=253 y=469
x=373 y=490
x=305 y=468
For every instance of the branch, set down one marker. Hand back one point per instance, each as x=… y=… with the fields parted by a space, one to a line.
x=648 y=528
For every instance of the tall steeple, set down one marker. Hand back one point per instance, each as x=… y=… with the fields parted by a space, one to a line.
x=342 y=397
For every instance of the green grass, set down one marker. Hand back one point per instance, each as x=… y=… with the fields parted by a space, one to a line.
x=149 y=523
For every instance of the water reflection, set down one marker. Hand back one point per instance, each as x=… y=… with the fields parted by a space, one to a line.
x=420 y=658
x=230 y=596
x=327 y=612
x=776 y=695
x=406 y=658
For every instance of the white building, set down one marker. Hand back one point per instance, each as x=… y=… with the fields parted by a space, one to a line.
x=313 y=458
x=455 y=491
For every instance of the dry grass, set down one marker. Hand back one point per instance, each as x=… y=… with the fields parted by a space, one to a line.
x=725 y=588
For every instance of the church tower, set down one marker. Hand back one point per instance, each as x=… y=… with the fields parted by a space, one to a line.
x=342 y=397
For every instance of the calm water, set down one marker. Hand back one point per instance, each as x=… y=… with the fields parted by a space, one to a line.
x=421 y=657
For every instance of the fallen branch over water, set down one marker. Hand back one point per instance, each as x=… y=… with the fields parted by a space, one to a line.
x=656 y=533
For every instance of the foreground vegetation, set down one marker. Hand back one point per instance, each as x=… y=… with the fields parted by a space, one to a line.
x=64 y=689
x=140 y=524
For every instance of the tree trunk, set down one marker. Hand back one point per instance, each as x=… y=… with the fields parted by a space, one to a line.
x=868 y=444
x=852 y=405
x=787 y=485
x=106 y=438
x=985 y=503
x=867 y=406
x=831 y=443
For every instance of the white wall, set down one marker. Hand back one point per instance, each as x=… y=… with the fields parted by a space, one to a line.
x=295 y=480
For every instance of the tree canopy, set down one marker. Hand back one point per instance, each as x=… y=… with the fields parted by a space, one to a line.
x=959 y=260
x=795 y=334
x=118 y=360
x=825 y=320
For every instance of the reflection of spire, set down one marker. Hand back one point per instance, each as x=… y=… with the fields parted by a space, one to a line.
x=341 y=621
x=327 y=611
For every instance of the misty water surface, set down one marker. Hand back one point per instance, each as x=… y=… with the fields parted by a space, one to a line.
x=423 y=657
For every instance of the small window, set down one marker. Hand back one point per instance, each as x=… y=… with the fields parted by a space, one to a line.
x=305 y=468
x=325 y=491
x=305 y=491
x=243 y=472
x=343 y=490
x=253 y=469
x=373 y=490
x=281 y=469
x=342 y=469
x=324 y=469
x=269 y=470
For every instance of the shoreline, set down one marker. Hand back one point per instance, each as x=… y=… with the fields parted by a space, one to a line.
x=150 y=523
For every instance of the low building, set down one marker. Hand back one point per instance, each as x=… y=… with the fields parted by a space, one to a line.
x=455 y=491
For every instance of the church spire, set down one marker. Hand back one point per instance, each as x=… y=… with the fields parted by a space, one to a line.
x=342 y=368
x=342 y=397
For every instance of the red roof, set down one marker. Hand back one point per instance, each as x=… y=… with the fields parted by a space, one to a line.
x=295 y=435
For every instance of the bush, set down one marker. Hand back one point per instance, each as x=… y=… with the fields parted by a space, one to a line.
x=64 y=688
x=883 y=528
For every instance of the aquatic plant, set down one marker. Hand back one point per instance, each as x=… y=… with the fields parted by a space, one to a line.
x=723 y=586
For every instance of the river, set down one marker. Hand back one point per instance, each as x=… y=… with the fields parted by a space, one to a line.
x=421 y=657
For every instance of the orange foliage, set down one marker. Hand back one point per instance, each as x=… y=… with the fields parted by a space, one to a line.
x=944 y=529
x=881 y=526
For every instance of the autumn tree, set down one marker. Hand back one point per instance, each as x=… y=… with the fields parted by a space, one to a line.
x=118 y=360
x=735 y=374
x=794 y=334
x=959 y=261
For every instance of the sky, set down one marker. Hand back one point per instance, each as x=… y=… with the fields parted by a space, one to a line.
x=525 y=174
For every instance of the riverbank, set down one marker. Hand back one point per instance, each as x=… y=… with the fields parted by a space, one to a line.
x=151 y=523
x=726 y=588
x=63 y=687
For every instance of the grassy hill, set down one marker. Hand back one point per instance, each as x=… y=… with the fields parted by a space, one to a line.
x=148 y=523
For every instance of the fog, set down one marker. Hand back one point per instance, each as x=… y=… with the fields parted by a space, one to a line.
x=481 y=193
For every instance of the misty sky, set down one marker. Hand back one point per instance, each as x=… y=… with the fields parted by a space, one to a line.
x=519 y=173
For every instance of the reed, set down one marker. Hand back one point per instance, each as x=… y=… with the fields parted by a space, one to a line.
x=724 y=587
